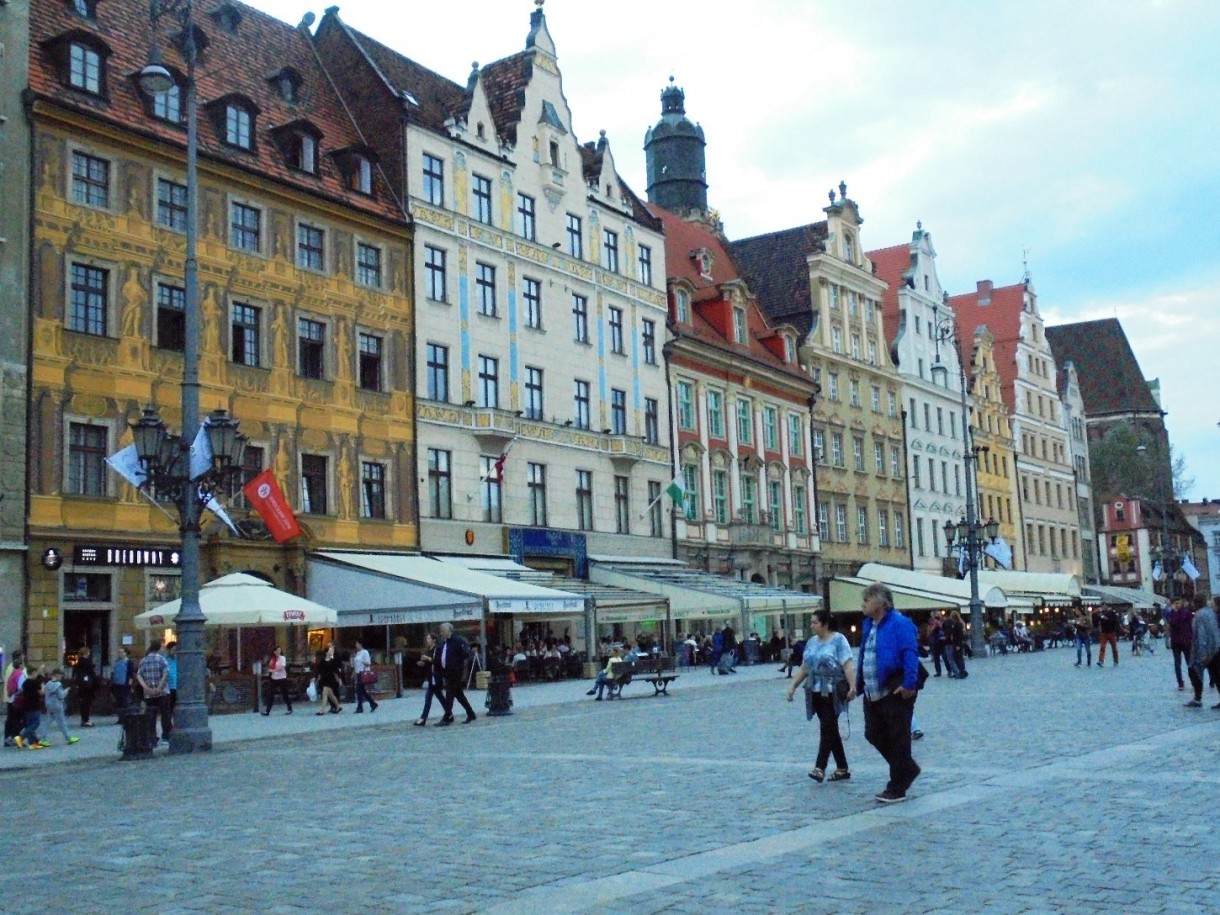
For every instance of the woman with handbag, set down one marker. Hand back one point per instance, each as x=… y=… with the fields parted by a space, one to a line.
x=363 y=673
x=328 y=681
x=278 y=679
x=828 y=673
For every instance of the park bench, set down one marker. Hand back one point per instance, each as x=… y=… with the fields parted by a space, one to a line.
x=657 y=671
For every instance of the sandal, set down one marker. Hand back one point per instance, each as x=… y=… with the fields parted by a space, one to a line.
x=840 y=775
x=817 y=775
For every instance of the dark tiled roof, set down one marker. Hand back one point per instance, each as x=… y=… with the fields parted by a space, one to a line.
x=894 y=266
x=1110 y=378
x=775 y=267
x=504 y=81
x=241 y=62
x=1000 y=311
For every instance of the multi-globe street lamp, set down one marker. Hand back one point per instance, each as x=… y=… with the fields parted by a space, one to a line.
x=965 y=534
x=176 y=470
x=1165 y=554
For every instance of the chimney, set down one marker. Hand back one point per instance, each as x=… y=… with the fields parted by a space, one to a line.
x=984 y=288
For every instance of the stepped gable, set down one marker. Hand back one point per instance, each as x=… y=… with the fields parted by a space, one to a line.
x=1111 y=381
x=504 y=81
x=776 y=267
x=243 y=60
x=998 y=308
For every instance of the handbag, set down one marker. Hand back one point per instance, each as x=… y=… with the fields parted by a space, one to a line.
x=368 y=677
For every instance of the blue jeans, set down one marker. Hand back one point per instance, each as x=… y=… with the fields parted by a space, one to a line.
x=1180 y=652
x=362 y=696
x=32 y=721
x=429 y=691
x=1083 y=643
x=951 y=661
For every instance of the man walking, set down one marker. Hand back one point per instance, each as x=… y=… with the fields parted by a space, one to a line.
x=1107 y=621
x=153 y=677
x=936 y=639
x=1179 y=621
x=452 y=672
x=887 y=676
x=1204 y=651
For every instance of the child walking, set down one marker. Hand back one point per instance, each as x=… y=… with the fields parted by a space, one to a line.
x=55 y=694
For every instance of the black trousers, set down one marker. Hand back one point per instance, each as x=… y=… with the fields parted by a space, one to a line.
x=887 y=726
x=829 y=740
x=454 y=691
x=86 y=704
x=160 y=706
x=272 y=686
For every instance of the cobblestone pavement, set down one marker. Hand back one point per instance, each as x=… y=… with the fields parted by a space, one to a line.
x=1045 y=788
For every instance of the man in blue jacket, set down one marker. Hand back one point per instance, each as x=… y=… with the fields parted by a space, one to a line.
x=887 y=676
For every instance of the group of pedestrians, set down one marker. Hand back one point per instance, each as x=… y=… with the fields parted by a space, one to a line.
x=443 y=663
x=1194 y=634
x=947 y=643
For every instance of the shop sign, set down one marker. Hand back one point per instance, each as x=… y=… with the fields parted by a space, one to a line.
x=130 y=555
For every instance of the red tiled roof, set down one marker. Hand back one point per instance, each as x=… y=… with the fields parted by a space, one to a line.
x=241 y=62
x=504 y=81
x=681 y=238
x=894 y=266
x=1111 y=381
x=1002 y=316
x=776 y=267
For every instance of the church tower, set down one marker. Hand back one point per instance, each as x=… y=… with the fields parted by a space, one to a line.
x=677 y=174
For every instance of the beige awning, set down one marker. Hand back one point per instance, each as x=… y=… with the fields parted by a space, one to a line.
x=244 y=600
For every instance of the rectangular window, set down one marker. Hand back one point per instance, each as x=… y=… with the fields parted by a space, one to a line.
x=836 y=448
x=246 y=334
x=533 y=393
x=84 y=68
x=438 y=372
x=90 y=298
x=610 y=251
x=841 y=523
x=645 y=265
x=584 y=499
x=492 y=490
x=489 y=382
x=899 y=536
x=581 y=405
x=434 y=268
x=796 y=436
x=855 y=346
x=940 y=421
x=576 y=244
x=245 y=228
x=879 y=457
x=854 y=392
x=618 y=411
x=656 y=526
x=715 y=414
x=616 y=330
x=652 y=423
x=171 y=205
x=745 y=421
x=836 y=340
x=372 y=490
x=485 y=280
x=532 y=294
x=311 y=252
x=775 y=504
x=915 y=475
x=690 y=478
x=861 y=525
x=875 y=393
x=526 y=219
x=87 y=448
x=739 y=325
x=832 y=389
x=883 y=527
x=823 y=521
x=957 y=480
x=370 y=362
x=919 y=541
x=434 y=180
x=238 y=127
x=749 y=499
x=440 y=484
x=819 y=446
x=770 y=429
x=650 y=341
x=686 y=405
x=892 y=409
x=368 y=265
x=720 y=496
x=872 y=352
x=311 y=348
x=895 y=462
x=253 y=462
x=535 y=481
x=171 y=317
x=857 y=452
x=798 y=510
x=313 y=484
x=622 y=505
x=480 y=192
x=580 y=318
x=90 y=180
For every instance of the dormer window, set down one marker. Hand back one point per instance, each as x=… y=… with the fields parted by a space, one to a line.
x=85 y=8
x=356 y=164
x=239 y=126
x=703 y=261
x=554 y=154
x=287 y=82
x=790 y=350
x=682 y=305
x=481 y=131
x=167 y=106
x=81 y=58
x=849 y=248
x=227 y=17
x=299 y=143
x=739 y=325
x=362 y=176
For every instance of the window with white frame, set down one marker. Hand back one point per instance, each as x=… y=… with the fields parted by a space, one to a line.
x=836 y=340
x=819 y=446
x=745 y=421
x=686 y=405
x=875 y=395
x=861 y=525
x=239 y=126
x=798 y=509
x=832 y=387
x=895 y=462
x=853 y=388
x=836 y=448
x=841 y=523
x=771 y=428
x=857 y=451
x=84 y=68
x=883 y=527
x=879 y=457
x=682 y=305
x=823 y=521
x=899 y=539
x=739 y=325
x=715 y=414
x=855 y=346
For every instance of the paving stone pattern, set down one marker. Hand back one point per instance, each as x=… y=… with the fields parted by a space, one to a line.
x=1045 y=788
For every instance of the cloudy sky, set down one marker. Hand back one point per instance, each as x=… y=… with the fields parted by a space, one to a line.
x=1081 y=135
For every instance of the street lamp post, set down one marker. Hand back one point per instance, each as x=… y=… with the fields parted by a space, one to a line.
x=1166 y=553
x=965 y=534
x=168 y=458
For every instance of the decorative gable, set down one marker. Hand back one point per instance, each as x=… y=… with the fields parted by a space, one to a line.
x=703 y=260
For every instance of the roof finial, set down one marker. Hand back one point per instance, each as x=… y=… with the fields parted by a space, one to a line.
x=832 y=196
x=843 y=189
x=919 y=225
x=538 y=3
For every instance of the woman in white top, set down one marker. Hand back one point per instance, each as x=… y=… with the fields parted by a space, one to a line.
x=826 y=663
x=360 y=663
x=279 y=680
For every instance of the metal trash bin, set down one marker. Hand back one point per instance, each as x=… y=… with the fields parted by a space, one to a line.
x=499 y=697
x=139 y=732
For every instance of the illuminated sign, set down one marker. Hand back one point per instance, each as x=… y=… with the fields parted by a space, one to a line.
x=130 y=555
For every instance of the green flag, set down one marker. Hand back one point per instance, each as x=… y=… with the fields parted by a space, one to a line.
x=677 y=490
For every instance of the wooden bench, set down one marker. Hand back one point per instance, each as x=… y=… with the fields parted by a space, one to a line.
x=657 y=671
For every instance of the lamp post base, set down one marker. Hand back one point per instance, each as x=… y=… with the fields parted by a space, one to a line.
x=188 y=740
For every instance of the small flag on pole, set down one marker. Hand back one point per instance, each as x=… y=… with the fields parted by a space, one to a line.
x=677 y=490
x=201 y=453
x=1188 y=567
x=1000 y=551
x=126 y=463
x=1157 y=572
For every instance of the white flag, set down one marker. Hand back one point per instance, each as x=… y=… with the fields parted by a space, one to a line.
x=961 y=562
x=216 y=509
x=126 y=463
x=1189 y=568
x=1157 y=572
x=201 y=453
x=1000 y=551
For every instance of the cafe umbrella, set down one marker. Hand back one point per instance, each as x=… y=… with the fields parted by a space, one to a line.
x=240 y=600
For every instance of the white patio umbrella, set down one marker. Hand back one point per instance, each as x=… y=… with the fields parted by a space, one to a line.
x=243 y=600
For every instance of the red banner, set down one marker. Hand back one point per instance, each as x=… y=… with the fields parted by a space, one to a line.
x=268 y=500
